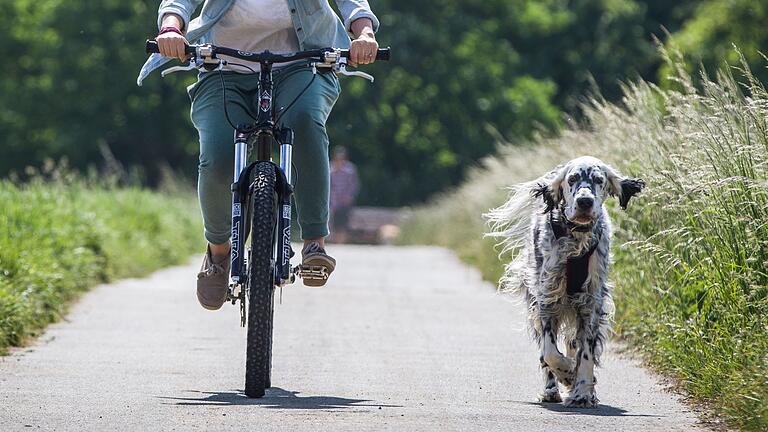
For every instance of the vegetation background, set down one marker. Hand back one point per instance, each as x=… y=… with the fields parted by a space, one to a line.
x=479 y=94
x=691 y=287
x=464 y=76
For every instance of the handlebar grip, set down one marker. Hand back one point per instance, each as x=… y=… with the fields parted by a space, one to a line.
x=383 y=54
x=152 y=48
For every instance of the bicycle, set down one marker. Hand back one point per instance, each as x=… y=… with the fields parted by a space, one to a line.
x=261 y=195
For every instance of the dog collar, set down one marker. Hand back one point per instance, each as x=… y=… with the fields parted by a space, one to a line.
x=563 y=227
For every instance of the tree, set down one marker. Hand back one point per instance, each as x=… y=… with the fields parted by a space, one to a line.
x=717 y=26
x=464 y=75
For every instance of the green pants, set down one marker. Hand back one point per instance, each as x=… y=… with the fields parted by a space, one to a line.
x=307 y=117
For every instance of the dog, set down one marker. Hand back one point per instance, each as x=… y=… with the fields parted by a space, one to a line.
x=559 y=233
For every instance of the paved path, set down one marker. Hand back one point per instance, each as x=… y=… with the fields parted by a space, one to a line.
x=403 y=339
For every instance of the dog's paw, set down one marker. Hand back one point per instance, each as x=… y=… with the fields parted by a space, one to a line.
x=550 y=396
x=582 y=397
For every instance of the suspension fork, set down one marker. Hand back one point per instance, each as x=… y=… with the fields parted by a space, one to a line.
x=238 y=210
x=285 y=190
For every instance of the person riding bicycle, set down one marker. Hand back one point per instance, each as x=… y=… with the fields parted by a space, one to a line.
x=280 y=26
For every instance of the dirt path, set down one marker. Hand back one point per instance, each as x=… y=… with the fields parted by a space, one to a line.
x=400 y=339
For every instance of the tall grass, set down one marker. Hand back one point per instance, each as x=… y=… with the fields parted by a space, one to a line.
x=691 y=253
x=60 y=237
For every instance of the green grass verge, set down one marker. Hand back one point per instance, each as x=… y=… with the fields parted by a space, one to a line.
x=691 y=254
x=57 y=239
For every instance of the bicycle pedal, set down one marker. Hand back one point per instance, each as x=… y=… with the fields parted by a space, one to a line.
x=312 y=272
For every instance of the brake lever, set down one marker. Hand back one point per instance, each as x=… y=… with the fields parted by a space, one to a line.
x=343 y=70
x=174 y=69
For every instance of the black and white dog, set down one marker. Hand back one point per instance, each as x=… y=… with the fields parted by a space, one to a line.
x=559 y=233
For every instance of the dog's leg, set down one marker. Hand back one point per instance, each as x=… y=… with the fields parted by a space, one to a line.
x=571 y=352
x=582 y=394
x=561 y=366
x=551 y=392
x=571 y=348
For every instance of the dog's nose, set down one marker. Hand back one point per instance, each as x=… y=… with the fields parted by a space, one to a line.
x=585 y=203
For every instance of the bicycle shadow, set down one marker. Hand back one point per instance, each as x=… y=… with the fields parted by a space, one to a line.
x=275 y=398
x=601 y=410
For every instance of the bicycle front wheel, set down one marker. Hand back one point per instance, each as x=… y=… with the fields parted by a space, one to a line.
x=261 y=281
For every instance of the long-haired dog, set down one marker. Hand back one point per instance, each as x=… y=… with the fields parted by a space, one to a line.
x=559 y=233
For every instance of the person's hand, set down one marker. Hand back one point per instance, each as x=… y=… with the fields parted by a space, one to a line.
x=172 y=45
x=364 y=47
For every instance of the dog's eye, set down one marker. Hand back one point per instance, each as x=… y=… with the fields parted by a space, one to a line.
x=598 y=180
x=572 y=179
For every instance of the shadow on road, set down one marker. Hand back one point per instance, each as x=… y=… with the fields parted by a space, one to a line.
x=602 y=410
x=275 y=397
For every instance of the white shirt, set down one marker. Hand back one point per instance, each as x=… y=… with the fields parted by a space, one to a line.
x=256 y=25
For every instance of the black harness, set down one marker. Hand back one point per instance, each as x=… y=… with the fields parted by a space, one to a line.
x=576 y=268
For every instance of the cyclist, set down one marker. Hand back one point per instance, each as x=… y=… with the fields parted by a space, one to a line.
x=280 y=26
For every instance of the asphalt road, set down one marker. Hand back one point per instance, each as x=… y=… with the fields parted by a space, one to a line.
x=404 y=339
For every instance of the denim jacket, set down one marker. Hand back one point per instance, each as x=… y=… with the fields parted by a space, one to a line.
x=316 y=24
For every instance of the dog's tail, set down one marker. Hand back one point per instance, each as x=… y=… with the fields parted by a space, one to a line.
x=511 y=224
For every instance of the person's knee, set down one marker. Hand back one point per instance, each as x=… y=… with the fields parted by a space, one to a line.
x=216 y=162
x=305 y=121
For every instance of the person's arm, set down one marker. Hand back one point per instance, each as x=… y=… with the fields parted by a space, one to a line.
x=183 y=9
x=362 y=24
x=169 y=43
x=174 y=14
x=364 y=46
x=355 y=183
x=352 y=10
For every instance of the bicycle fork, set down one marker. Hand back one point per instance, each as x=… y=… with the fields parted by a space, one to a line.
x=238 y=229
x=283 y=273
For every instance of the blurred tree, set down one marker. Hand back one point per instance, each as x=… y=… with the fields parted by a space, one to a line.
x=709 y=37
x=70 y=87
x=464 y=75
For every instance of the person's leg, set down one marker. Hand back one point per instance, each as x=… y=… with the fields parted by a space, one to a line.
x=216 y=135
x=341 y=223
x=307 y=116
x=216 y=174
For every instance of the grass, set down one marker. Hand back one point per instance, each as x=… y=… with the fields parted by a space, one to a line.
x=60 y=237
x=691 y=254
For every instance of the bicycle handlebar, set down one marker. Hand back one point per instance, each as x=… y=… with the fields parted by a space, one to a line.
x=266 y=56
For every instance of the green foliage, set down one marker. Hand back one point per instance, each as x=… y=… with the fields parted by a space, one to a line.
x=708 y=38
x=70 y=89
x=691 y=252
x=59 y=238
x=464 y=74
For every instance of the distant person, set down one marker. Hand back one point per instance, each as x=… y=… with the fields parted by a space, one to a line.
x=344 y=188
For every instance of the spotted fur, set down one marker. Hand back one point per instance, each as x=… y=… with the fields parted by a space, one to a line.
x=559 y=234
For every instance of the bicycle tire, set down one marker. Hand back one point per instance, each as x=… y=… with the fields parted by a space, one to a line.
x=261 y=281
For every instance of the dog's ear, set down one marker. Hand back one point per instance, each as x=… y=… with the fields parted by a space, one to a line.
x=542 y=190
x=548 y=188
x=629 y=188
x=621 y=187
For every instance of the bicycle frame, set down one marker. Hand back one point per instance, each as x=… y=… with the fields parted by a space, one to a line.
x=265 y=132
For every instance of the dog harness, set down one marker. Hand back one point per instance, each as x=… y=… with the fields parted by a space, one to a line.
x=576 y=268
